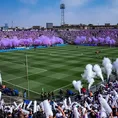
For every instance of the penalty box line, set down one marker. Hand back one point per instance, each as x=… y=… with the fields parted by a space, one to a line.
x=25 y=75
x=62 y=87
x=22 y=87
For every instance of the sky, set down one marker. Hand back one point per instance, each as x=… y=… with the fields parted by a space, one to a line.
x=27 y=13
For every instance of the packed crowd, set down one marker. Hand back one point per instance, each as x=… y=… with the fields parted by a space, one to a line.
x=91 y=36
x=7 y=43
x=9 y=91
x=112 y=33
x=13 y=39
x=103 y=103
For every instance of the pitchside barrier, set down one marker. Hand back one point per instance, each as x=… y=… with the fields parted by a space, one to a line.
x=32 y=94
x=10 y=99
x=96 y=87
x=35 y=95
x=27 y=48
x=88 y=44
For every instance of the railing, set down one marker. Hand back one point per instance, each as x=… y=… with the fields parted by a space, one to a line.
x=8 y=100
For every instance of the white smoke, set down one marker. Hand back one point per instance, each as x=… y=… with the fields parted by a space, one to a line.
x=115 y=66
x=98 y=71
x=77 y=85
x=91 y=81
x=89 y=75
x=107 y=66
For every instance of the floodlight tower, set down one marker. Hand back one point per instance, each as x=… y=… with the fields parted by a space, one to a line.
x=62 y=7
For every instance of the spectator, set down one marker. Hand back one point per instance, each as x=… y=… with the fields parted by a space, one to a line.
x=25 y=94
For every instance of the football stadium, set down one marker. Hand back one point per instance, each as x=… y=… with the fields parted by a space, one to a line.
x=66 y=71
x=51 y=68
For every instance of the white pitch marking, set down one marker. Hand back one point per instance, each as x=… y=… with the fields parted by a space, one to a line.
x=25 y=76
x=62 y=87
x=21 y=87
x=23 y=62
x=23 y=66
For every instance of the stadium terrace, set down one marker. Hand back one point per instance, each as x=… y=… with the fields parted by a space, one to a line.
x=77 y=80
x=14 y=39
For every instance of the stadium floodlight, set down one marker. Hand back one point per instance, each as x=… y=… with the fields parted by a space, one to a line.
x=62 y=7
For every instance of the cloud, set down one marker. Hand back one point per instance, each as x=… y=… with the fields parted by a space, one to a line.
x=114 y=2
x=98 y=14
x=29 y=1
x=26 y=18
x=101 y=15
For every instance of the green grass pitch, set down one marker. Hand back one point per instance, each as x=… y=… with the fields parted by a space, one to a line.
x=50 y=68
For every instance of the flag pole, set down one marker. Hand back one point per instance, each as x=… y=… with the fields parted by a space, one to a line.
x=27 y=75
